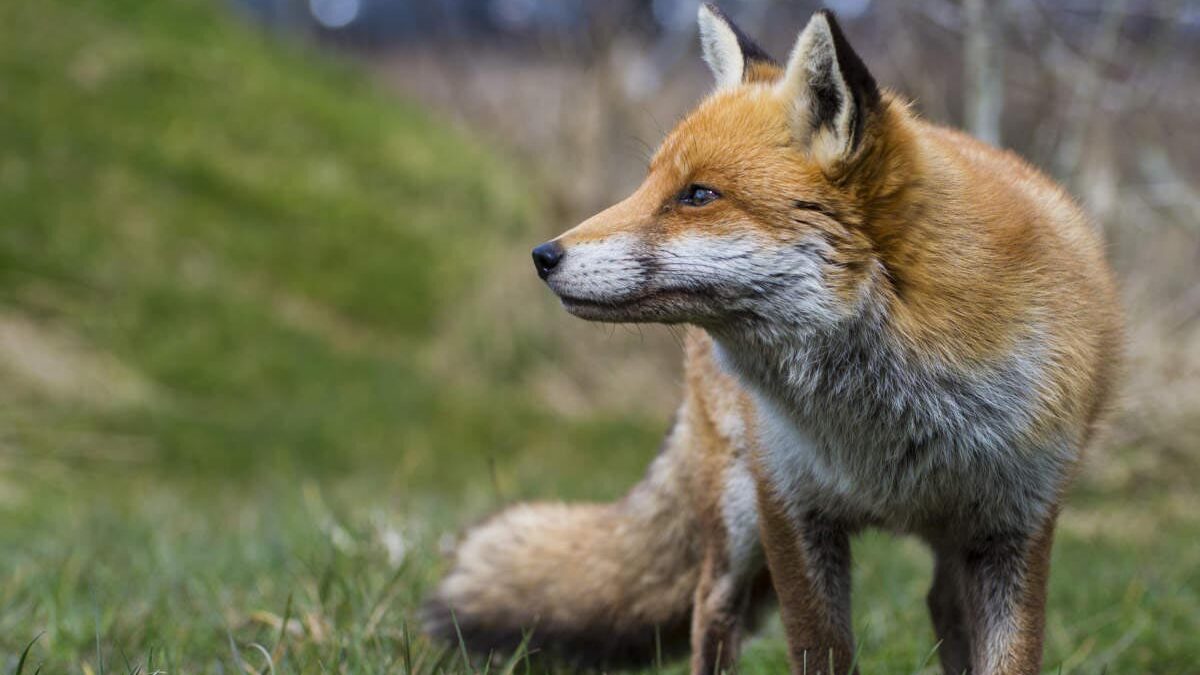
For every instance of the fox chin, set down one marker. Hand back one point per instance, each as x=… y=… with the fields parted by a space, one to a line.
x=893 y=325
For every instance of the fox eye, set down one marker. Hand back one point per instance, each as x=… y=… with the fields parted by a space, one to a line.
x=697 y=195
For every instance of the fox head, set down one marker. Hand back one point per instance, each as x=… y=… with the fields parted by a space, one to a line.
x=752 y=206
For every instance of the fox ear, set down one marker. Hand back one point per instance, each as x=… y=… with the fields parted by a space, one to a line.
x=726 y=49
x=833 y=92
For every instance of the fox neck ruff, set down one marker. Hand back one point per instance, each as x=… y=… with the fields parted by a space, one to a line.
x=855 y=424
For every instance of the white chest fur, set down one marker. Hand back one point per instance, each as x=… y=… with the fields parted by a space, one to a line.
x=853 y=429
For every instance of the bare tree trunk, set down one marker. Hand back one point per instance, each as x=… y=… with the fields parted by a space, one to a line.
x=983 y=68
x=1089 y=86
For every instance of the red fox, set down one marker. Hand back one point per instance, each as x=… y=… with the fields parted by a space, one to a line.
x=893 y=325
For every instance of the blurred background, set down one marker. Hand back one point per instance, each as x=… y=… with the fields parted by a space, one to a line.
x=269 y=335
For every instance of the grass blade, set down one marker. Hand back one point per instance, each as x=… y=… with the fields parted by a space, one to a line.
x=925 y=662
x=462 y=644
x=281 y=643
x=25 y=653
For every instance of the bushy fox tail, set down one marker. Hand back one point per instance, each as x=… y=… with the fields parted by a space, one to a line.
x=593 y=585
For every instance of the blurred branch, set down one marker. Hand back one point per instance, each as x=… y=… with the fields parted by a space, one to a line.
x=984 y=68
x=1166 y=187
x=942 y=13
x=1085 y=101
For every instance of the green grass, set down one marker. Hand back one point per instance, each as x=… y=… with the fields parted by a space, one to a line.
x=229 y=439
x=189 y=576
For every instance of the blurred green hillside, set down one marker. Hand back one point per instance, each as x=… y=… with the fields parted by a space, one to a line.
x=220 y=253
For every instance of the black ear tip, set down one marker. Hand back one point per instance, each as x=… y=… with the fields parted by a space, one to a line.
x=831 y=19
x=750 y=49
x=854 y=71
x=717 y=12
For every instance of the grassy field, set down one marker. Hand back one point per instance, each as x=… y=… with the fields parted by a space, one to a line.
x=243 y=414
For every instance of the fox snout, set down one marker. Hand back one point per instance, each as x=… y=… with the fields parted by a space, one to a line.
x=546 y=257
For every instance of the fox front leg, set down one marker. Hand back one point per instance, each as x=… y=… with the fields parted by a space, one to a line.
x=809 y=561
x=1004 y=579
x=946 y=607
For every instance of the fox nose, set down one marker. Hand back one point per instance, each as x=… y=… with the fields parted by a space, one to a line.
x=546 y=257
